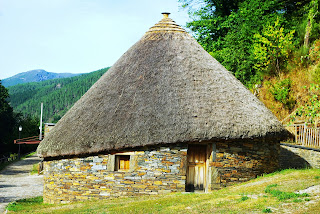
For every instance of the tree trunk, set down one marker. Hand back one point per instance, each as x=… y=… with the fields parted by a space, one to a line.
x=307 y=35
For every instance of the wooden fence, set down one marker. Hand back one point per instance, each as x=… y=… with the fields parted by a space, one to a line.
x=305 y=134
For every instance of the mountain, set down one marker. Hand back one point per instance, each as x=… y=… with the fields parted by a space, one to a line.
x=57 y=95
x=34 y=76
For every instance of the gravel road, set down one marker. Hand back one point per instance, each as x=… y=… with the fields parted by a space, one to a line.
x=17 y=183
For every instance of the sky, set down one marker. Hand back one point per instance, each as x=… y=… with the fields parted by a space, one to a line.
x=75 y=36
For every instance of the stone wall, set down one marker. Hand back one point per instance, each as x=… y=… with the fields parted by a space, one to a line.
x=155 y=170
x=152 y=171
x=294 y=156
x=243 y=160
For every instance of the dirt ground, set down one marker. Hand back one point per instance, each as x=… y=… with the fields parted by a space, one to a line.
x=16 y=182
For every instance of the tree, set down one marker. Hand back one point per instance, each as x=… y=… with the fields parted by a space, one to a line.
x=9 y=123
x=313 y=11
x=7 y=120
x=272 y=47
x=226 y=29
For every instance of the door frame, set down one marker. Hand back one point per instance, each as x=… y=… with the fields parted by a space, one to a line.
x=206 y=177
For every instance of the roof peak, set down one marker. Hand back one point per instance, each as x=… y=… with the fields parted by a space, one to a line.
x=165 y=14
x=166 y=25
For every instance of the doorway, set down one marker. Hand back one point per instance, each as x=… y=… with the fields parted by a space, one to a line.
x=196 y=171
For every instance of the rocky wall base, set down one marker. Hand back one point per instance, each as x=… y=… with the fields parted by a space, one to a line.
x=154 y=171
x=243 y=160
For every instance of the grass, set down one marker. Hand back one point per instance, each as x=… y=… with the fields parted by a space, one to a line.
x=274 y=192
x=4 y=165
x=35 y=169
x=283 y=195
x=25 y=204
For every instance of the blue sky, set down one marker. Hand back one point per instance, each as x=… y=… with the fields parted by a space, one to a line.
x=74 y=36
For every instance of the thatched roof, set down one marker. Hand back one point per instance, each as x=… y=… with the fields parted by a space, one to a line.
x=165 y=89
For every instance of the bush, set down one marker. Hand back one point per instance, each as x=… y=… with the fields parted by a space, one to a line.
x=314 y=52
x=281 y=93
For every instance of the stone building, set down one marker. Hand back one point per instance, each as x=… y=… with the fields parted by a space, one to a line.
x=167 y=117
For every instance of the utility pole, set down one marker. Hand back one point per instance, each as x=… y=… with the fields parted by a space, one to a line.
x=20 y=129
x=40 y=127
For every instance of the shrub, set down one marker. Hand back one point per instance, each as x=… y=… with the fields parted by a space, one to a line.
x=244 y=198
x=267 y=210
x=281 y=93
x=314 y=52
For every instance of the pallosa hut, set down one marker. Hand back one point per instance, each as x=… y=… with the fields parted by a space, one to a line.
x=167 y=117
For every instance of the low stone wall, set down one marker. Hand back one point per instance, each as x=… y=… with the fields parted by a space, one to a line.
x=295 y=156
x=153 y=171
x=242 y=161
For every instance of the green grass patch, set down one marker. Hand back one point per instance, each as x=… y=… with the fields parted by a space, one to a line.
x=244 y=198
x=267 y=210
x=35 y=169
x=281 y=195
x=25 y=204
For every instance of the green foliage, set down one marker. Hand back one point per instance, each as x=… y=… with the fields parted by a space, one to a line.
x=311 y=109
x=312 y=9
x=314 y=52
x=281 y=93
x=244 y=198
x=35 y=169
x=301 y=57
x=248 y=37
x=7 y=119
x=267 y=210
x=283 y=195
x=317 y=177
x=24 y=204
x=57 y=95
x=272 y=47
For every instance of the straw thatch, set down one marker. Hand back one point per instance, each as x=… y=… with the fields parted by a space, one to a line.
x=165 y=89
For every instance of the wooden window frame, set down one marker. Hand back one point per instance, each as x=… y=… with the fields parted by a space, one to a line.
x=117 y=163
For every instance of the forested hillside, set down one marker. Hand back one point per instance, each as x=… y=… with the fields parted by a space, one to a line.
x=272 y=47
x=34 y=76
x=57 y=95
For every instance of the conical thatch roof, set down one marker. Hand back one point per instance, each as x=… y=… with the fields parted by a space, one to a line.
x=165 y=89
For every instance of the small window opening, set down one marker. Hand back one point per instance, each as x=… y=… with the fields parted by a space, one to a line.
x=122 y=163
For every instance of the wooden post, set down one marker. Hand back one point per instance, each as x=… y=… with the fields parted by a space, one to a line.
x=296 y=132
x=304 y=134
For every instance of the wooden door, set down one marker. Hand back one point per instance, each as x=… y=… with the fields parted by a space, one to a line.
x=196 y=167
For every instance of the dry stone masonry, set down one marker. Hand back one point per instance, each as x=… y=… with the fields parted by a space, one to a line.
x=151 y=172
x=155 y=170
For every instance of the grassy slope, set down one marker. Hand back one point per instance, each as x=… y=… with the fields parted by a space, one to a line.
x=249 y=197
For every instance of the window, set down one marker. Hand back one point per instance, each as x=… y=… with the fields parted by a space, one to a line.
x=122 y=163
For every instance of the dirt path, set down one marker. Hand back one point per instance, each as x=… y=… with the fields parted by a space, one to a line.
x=17 y=183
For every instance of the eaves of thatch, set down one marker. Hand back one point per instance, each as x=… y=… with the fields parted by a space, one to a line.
x=165 y=89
